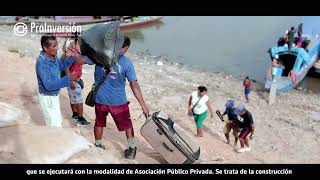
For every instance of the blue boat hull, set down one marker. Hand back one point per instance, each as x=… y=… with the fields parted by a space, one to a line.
x=303 y=62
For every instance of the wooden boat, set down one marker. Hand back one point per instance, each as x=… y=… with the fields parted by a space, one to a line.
x=128 y=22
x=78 y=20
x=139 y=21
x=295 y=64
x=131 y=22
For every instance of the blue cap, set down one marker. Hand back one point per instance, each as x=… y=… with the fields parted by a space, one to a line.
x=229 y=103
x=239 y=109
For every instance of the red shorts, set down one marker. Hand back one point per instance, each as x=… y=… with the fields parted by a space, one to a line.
x=244 y=133
x=120 y=115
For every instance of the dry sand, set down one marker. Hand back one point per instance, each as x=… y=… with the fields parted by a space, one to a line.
x=286 y=132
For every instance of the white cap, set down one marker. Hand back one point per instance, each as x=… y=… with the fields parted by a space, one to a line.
x=68 y=43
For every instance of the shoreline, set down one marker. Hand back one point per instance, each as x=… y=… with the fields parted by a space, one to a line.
x=28 y=47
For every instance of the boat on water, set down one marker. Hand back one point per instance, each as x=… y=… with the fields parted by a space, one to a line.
x=139 y=21
x=127 y=21
x=130 y=22
x=86 y=22
x=294 y=63
x=78 y=20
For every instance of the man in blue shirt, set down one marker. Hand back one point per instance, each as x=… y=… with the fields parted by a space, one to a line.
x=232 y=123
x=111 y=98
x=48 y=68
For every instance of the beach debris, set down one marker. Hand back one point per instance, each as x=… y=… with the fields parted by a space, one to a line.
x=13 y=50
x=159 y=63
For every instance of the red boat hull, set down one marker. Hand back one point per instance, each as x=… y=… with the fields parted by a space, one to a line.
x=125 y=26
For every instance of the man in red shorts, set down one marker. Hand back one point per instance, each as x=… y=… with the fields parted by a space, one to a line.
x=247 y=127
x=111 y=99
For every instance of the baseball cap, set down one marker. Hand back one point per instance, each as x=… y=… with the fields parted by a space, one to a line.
x=229 y=103
x=240 y=108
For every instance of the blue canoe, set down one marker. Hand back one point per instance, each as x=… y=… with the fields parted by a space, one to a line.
x=296 y=64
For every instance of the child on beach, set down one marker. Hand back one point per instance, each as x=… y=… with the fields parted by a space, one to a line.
x=247 y=88
x=74 y=90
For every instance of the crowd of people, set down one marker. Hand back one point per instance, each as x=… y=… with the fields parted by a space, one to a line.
x=111 y=96
x=290 y=40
